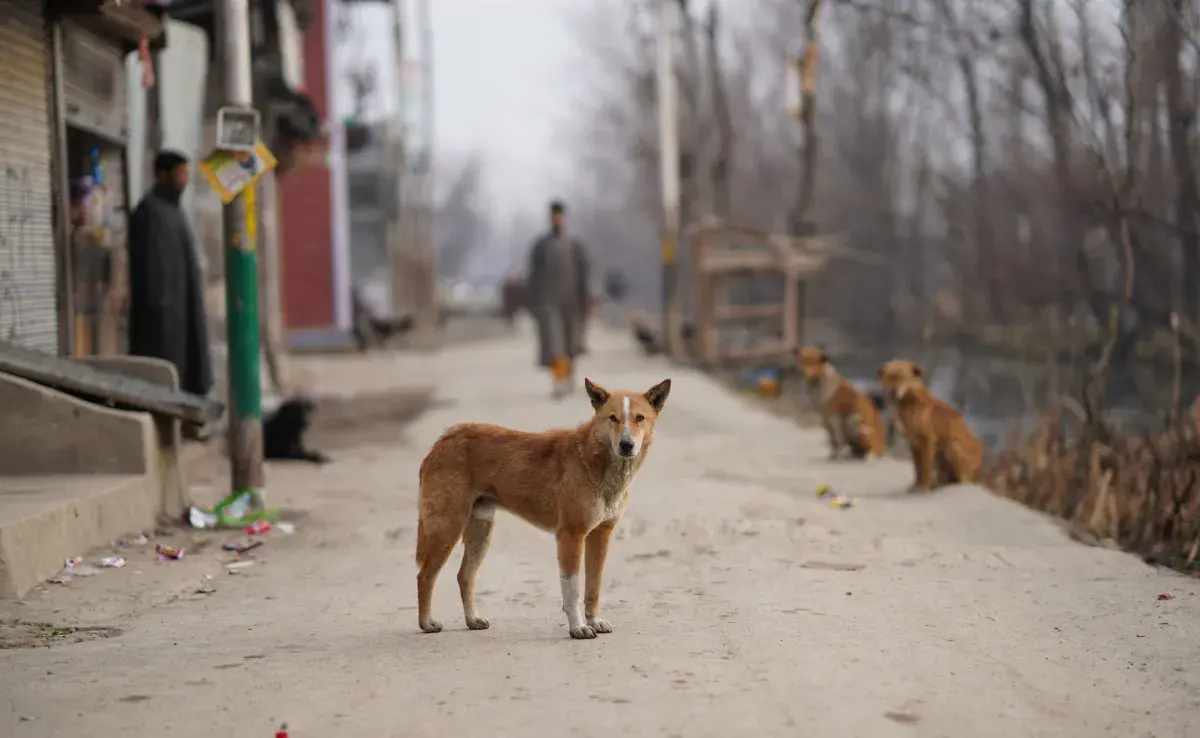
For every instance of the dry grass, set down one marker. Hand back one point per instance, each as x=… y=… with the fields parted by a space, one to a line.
x=1139 y=493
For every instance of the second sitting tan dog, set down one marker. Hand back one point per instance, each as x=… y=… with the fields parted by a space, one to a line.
x=850 y=417
x=572 y=482
x=944 y=450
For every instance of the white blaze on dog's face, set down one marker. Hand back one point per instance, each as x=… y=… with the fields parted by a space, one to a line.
x=626 y=419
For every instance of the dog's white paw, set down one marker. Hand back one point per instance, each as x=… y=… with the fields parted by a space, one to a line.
x=583 y=632
x=600 y=625
x=478 y=623
x=431 y=626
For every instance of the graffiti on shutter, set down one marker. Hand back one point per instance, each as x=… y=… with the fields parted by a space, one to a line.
x=16 y=244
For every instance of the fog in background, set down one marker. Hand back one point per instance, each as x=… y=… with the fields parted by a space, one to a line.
x=1023 y=168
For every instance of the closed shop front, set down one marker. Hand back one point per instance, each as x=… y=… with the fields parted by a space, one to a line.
x=28 y=267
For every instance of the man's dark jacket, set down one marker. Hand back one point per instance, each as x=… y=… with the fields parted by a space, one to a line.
x=166 y=293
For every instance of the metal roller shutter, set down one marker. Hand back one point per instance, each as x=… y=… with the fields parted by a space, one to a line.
x=28 y=274
x=94 y=83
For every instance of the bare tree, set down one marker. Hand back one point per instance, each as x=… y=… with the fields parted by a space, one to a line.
x=983 y=148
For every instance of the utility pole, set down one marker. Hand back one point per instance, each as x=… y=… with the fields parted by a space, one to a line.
x=424 y=224
x=668 y=144
x=241 y=275
x=397 y=164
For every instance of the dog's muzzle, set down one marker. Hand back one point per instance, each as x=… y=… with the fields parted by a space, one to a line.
x=625 y=447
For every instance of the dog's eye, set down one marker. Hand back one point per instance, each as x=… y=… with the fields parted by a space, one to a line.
x=613 y=418
x=639 y=418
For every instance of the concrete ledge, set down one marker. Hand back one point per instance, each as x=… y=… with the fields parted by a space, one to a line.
x=46 y=519
x=168 y=442
x=74 y=475
x=44 y=431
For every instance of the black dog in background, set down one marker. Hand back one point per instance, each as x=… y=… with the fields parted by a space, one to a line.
x=284 y=429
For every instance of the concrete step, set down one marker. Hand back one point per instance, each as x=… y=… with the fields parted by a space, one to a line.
x=75 y=475
x=46 y=519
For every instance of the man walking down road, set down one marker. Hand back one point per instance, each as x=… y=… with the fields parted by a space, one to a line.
x=166 y=295
x=559 y=298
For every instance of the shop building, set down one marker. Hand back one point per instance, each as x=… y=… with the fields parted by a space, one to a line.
x=65 y=122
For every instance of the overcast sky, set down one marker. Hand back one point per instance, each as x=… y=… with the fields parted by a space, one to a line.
x=498 y=83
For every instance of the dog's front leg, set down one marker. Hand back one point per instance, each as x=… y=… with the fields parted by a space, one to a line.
x=924 y=454
x=570 y=553
x=597 y=551
x=833 y=427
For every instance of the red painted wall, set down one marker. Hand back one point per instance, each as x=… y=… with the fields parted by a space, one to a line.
x=306 y=209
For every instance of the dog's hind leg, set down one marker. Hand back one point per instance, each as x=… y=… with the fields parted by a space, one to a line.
x=435 y=542
x=475 y=545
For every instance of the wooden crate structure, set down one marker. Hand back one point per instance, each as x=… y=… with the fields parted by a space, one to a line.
x=773 y=270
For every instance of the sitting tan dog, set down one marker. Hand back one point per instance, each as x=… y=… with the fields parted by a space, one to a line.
x=850 y=417
x=944 y=450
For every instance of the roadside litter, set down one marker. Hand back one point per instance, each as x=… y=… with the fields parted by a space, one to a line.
x=836 y=500
x=74 y=567
x=258 y=527
x=169 y=553
x=1166 y=596
x=767 y=382
x=235 y=511
x=141 y=540
x=241 y=546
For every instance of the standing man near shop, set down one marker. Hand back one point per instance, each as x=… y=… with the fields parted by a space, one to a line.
x=167 y=318
x=559 y=297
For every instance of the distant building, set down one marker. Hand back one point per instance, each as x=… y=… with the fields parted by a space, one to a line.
x=372 y=164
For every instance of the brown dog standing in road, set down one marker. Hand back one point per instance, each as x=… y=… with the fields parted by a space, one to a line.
x=850 y=417
x=944 y=450
x=572 y=482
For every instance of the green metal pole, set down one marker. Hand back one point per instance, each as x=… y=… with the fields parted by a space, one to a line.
x=241 y=273
x=245 y=386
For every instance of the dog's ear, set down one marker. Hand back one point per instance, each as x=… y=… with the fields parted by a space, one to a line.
x=597 y=395
x=657 y=395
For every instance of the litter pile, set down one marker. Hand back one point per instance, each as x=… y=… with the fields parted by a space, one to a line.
x=242 y=548
x=238 y=511
x=836 y=500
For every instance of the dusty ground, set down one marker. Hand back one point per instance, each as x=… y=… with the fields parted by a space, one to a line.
x=742 y=604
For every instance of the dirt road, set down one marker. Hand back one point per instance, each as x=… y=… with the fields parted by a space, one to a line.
x=742 y=605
